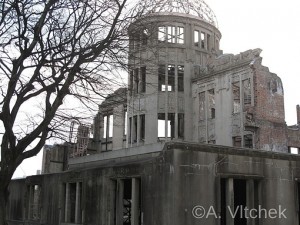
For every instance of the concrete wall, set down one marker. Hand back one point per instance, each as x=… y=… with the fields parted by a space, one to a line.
x=173 y=183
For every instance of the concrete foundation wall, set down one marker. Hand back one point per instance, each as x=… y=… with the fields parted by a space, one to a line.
x=172 y=184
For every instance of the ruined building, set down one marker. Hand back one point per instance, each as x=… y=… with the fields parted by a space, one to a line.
x=195 y=127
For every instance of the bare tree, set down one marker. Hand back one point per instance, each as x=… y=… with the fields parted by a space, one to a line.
x=51 y=49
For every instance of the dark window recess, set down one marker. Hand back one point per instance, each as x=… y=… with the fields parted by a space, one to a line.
x=143 y=79
x=223 y=201
x=144 y=36
x=248 y=140
x=237 y=141
x=134 y=129
x=202 y=40
x=247 y=92
x=213 y=113
x=142 y=127
x=73 y=207
x=72 y=201
x=180 y=78
x=130 y=129
x=236 y=97
x=180 y=125
x=136 y=80
x=202 y=106
x=171 y=125
x=171 y=78
x=161 y=78
x=34 y=202
x=211 y=103
x=127 y=200
x=239 y=187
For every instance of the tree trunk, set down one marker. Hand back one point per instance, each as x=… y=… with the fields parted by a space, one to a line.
x=3 y=204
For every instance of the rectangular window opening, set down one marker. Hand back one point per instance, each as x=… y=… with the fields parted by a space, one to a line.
x=171 y=34
x=171 y=125
x=73 y=209
x=180 y=125
x=34 y=211
x=180 y=78
x=208 y=42
x=196 y=38
x=202 y=40
x=135 y=129
x=136 y=80
x=128 y=208
x=162 y=34
x=240 y=198
x=143 y=79
x=161 y=125
x=111 y=125
x=161 y=78
x=130 y=130
x=171 y=78
x=202 y=106
x=293 y=150
x=104 y=126
x=142 y=127
x=248 y=141
x=125 y=122
x=236 y=97
x=211 y=104
x=247 y=92
x=180 y=35
x=237 y=141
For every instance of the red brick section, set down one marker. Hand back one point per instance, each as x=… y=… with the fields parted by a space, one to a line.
x=269 y=110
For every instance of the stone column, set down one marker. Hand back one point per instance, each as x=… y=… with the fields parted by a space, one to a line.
x=135 y=206
x=229 y=202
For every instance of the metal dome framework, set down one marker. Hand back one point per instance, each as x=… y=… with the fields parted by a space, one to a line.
x=196 y=8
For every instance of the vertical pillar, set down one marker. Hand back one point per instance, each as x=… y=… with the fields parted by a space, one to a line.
x=119 y=202
x=77 y=203
x=229 y=202
x=67 y=202
x=166 y=101
x=135 y=211
x=30 y=201
x=250 y=201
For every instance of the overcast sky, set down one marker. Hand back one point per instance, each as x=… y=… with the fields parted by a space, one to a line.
x=272 y=25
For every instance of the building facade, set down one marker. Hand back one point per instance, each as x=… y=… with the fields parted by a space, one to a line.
x=195 y=131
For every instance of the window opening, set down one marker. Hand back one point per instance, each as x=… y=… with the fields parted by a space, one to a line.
x=202 y=40
x=202 y=106
x=143 y=79
x=196 y=38
x=236 y=97
x=248 y=140
x=142 y=127
x=180 y=78
x=237 y=141
x=171 y=78
x=161 y=78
